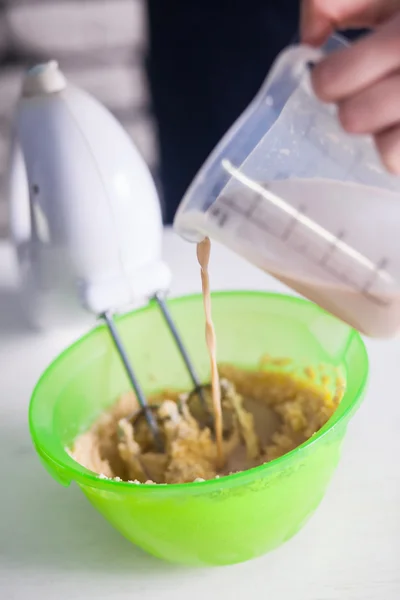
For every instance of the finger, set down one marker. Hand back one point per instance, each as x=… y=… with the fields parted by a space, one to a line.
x=388 y=145
x=319 y=18
x=348 y=71
x=315 y=24
x=374 y=109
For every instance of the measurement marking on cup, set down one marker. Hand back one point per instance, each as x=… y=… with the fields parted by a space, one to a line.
x=382 y=264
x=335 y=242
x=221 y=217
x=331 y=249
x=292 y=223
x=252 y=208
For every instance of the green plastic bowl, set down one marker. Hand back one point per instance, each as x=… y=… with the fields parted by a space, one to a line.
x=227 y=520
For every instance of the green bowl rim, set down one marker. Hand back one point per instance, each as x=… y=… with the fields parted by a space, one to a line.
x=85 y=475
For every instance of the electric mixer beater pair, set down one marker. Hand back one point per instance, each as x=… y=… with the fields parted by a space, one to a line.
x=285 y=188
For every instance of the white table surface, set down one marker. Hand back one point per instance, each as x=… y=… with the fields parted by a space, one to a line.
x=54 y=546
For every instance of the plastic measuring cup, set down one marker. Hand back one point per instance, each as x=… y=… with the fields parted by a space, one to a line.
x=288 y=189
x=225 y=520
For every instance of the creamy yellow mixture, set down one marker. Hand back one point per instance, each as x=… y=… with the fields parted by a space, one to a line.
x=266 y=413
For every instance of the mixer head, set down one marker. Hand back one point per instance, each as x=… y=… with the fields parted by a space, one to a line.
x=85 y=214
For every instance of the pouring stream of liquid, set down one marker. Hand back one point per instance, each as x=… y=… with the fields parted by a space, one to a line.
x=203 y=256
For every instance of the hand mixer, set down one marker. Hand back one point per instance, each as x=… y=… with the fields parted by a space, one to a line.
x=85 y=216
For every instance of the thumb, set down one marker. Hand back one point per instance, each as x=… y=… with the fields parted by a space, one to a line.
x=319 y=18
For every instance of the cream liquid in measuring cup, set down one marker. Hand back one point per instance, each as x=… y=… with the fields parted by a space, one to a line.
x=334 y=242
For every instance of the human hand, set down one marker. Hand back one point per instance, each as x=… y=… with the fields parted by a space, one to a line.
x=364 y=79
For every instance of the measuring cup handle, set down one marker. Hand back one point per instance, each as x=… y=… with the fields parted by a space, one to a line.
x=294 y=61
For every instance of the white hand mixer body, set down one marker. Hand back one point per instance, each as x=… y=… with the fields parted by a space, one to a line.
x=85 y=216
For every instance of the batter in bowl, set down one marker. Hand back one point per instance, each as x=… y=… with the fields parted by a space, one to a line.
x=266 y=413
